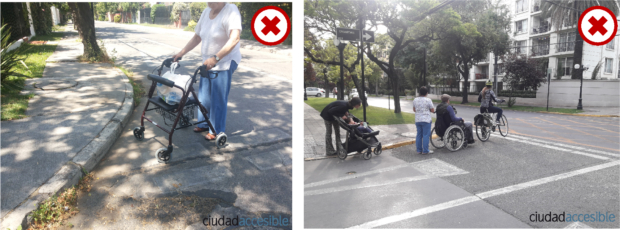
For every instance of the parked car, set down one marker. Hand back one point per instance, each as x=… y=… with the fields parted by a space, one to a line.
x=354 y=93
x=322 y=91
x=314 y=91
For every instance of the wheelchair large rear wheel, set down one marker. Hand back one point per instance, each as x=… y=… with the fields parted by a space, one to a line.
x=437 y=142
x=503 y=126
x=454 y=138
x=483 y=132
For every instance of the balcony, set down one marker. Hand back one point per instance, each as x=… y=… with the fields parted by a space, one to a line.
x=519 y=50
x=536 y=8
x=481 y=76
x=540 y=50
x=540 y=30
x=565 y=47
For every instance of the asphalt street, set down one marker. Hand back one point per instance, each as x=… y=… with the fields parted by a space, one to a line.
x=250 y=177
x=496 y=184
x=549 y=163
x=594 y=133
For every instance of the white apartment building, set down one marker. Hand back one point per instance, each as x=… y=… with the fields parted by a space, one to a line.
x=532 y=35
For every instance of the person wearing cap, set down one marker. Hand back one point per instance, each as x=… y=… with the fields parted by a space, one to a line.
x=485 y=97
x=423 y=107
x=445 y=108
x=338 y=109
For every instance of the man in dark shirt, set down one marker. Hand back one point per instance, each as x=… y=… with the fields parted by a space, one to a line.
x=338 y=109
x=445 y=108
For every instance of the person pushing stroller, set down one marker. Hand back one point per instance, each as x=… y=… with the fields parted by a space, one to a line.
x=338 y=109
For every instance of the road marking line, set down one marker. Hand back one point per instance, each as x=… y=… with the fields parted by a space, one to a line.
x=558 y=148
x=566 y=141
x=577 y=225
x=367 y=185
x=418 y=212
x=377 y=171
x=567 y=146
x=481 y=196
x=567 y=127
x=545 y=180
x=433 y=166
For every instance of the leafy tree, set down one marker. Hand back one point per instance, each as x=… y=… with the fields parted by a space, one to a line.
x=196 y=9
x=523 y=72
x=566 y=13
x=472 y=37
x=128 y=7
x=176 y=10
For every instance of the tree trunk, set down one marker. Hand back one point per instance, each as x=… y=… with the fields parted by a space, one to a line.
x=84 y=21
x=394 y=81
x=465 y=83
x=327 y=89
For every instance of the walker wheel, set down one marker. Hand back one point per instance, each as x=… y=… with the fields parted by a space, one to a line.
x=163 y=156
x=221 y=140
x=138 y=132
x=378 y=150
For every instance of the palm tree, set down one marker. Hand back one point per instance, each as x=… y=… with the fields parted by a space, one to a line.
x=567 y=12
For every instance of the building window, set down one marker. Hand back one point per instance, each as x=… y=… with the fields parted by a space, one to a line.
x=608 y=65
x=521 y=6
x=610 y=45
x=520 y=47
x=566 y=42
x=565 y=66
x=521 y=26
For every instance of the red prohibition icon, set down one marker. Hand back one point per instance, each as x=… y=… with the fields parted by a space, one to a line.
x=271 y=25
x=597 y=25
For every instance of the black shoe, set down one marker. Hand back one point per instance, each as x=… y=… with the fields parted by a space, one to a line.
x=471 y=141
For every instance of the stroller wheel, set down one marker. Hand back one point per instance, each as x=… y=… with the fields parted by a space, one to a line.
x=378 y=150
x=367 y=155
x=163 y=156
x=342 y=154
x=138 y=132
x=221 y=140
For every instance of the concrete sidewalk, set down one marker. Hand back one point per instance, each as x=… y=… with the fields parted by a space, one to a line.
x=77 y=113
x=390 y=136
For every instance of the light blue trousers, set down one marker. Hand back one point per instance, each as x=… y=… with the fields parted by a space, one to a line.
x=213 y=95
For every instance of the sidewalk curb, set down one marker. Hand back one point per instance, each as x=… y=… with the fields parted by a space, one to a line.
x=391 y=146
x=71 y=172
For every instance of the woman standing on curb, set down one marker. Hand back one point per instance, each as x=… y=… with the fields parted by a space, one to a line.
x=219 y=29
x=423 y=107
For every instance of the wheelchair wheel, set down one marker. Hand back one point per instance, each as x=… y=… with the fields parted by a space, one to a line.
x=163 y=156
x=483 y=132
x=378 y=150
x=437 y=143
x=342 y=154
x=138 y=132
x=503 y=126
x=454 y=138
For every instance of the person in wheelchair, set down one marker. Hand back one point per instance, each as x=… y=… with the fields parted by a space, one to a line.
x=485 y=97
x=446 y=117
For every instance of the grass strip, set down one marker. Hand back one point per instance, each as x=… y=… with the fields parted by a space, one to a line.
x=374 y=115
x=13 y=104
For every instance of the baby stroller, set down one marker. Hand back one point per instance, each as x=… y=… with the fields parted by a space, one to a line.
x=357 y=141
x=181 y=113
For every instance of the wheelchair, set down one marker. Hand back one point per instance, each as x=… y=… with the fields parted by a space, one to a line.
x=454 y=137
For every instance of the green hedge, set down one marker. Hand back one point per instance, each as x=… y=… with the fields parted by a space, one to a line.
x=195 y=9
x=517 y=93
x=457 y=93
x=154 y=9
x=117 y=18
x=191 y=26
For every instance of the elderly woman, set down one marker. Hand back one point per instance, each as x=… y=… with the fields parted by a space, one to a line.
x=218 y=29
x=423 y=107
